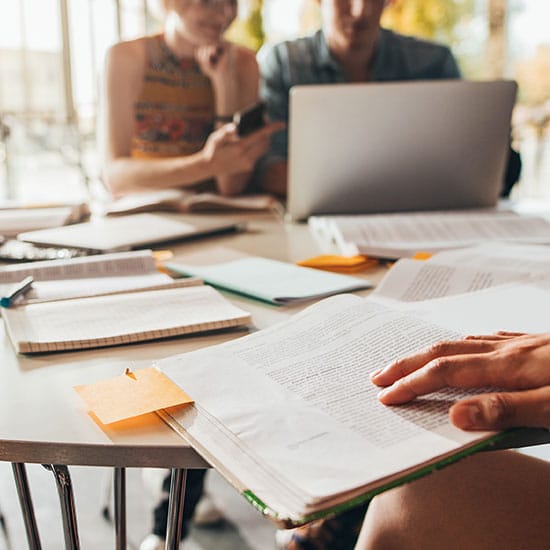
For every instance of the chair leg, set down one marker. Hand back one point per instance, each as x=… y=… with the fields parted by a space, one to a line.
x=68 y=510
x=175 y=508
x=25 y=500
x=108 y=496
x=4 y=528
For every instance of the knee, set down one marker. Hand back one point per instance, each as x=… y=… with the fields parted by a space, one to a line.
x=384 y=525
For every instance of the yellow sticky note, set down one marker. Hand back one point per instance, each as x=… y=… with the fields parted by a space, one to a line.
x=132 y=394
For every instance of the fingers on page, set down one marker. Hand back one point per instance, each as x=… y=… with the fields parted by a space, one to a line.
x=455 y=371
x=501 y=410
x=405 y=366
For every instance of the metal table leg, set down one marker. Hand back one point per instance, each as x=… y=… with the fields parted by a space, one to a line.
x=175 y=508
x=120 y=508
x=25 y=500
x=68 y=510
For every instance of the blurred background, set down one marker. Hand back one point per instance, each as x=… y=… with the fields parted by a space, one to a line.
x=52 y=53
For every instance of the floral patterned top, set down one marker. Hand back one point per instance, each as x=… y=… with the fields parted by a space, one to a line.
x=175 y=111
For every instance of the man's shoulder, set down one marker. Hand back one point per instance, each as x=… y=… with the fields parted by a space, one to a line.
x=296 y=53
x=413 y=44
x=417 y=57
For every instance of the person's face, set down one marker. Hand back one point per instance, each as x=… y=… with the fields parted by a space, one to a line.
x=351 y=24
x=203 y=22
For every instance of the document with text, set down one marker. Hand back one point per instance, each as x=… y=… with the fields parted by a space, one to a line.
x=289 y=416
x=415 y=280
x=399 y=235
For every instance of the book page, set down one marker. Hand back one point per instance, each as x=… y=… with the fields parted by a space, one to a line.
x=516 y=307
x=405 y=234
x=105 y=265
x=413 y=280
x=210 y=201
x=185 y=201
x=532 y=259
x=119 y=318
x=301 y=400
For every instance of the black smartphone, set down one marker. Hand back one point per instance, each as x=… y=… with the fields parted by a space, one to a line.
x=250 y=119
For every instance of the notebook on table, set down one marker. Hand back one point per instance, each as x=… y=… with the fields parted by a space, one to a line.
x=117 y=319
x=127 y=232
x=401 y=146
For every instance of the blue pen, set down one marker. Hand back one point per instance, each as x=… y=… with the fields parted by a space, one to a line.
x=18 y=290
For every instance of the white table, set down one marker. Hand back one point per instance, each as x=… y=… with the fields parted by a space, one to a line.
x=42 y=419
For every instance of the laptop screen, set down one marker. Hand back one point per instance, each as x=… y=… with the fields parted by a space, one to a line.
x=400 y=146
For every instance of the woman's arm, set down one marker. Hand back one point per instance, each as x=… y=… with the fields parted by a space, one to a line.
x=235 y=77
x=124 y=69
x=223 y=156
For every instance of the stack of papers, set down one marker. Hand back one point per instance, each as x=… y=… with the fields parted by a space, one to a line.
x=302 y=434
x=17 y=219
x=89 y=276
x=405 y=234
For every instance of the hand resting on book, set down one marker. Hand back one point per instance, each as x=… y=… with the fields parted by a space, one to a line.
x=517 y=363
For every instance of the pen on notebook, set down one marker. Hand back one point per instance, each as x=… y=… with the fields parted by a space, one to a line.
x=18 y=290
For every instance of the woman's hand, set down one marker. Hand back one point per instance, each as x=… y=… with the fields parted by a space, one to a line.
x=229 y=154
x=517 y=363
x=217 y=61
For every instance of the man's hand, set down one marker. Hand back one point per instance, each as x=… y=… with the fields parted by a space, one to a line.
x=516 y=362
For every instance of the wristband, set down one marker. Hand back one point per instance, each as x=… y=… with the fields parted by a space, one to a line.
x=223 y=118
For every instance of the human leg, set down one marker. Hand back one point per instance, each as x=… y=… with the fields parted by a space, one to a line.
x=497 y=499
x=338 y=532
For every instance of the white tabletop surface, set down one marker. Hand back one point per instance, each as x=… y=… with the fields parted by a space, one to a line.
x=43 y=420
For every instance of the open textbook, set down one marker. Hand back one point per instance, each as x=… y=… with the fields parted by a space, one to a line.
x=184 y=201
x=121 y=318
x=89 y=276
x=400 y=235
x=289 y=416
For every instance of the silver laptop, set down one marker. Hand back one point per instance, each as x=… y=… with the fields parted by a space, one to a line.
x=402 y=146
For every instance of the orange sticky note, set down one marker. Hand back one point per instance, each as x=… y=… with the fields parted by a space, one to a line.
x=132 y=394
x=339 y=264
x=422 y=256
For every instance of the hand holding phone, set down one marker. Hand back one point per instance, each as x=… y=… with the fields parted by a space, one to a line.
x=250 y=119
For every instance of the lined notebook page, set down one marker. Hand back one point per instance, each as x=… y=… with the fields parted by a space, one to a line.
x=119 y=319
